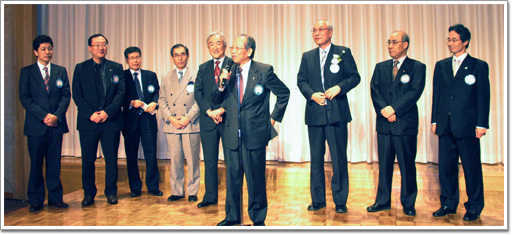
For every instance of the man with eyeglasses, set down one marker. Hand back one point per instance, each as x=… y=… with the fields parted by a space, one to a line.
x=99 y=91
x=245 y=98
x=181 y=116
x=211 y=115
x=325 y=76
x=396 y=86
x=139 y=108
x=461 y=106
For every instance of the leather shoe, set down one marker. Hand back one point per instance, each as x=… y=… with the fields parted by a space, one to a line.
x=135 y=194
x=228 y=223
x=205 y=204
x=259 y=224
x=443 y=211
x=174 y=198
x=316 y=206
x=377 y=207
x=88 y=200
x=60 y=204
x=193 y=198
x=470 y=216
x=112 y=199
x=409 y=211
x=35 y=207
x=340 y=208
x=157 y=193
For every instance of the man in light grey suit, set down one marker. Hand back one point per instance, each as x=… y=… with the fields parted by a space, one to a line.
x=181 y=115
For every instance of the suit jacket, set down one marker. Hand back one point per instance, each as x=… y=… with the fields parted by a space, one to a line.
x=402 y=94
x=85 y=97
x=255 y=123
x=177 y=99
x=150 y=88
x=38 y=102
x=309 y=81
x=205 y=80
x=466 y=97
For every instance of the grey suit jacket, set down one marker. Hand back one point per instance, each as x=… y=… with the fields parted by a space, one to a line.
x=177 y=99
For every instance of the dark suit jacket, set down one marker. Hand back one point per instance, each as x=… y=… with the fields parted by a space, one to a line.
x=309 y=81
x=256 y=125
x=466 y=97
x=150 y=87
x=84 y=95
x=202 y=88
x=402 y=94
x=38 y=102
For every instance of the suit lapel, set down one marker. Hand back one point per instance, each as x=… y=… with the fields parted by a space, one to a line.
x=252 y=78
x=108 y=76
x=36 y=74
x=402 y=70
x=464 y=68
x=144 y=82
x=54 y=74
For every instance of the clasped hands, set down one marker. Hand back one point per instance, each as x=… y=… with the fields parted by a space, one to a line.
x=138 y=104
x=50 y=120
x=320 y=98
x=179 y=122
x=389 y=113
x=99 y=117
x=216 y=115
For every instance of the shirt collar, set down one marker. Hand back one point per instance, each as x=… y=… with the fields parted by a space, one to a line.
x=401 y=60
x=183 y=71
x=220 y=61
x=461 y=57
x=133 y=71
x=327 y=49
x=246 y=66
x=41 y=66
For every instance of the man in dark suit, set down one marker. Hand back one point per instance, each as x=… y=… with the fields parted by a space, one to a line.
x=139 y=108
x=99 y=91
x=247 y=92
x=325 y=76
x=44 y=93
x=461 y=106
x=396 y=86
x=211 y=122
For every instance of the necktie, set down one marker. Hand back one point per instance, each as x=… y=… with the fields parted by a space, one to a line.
x=217 y=71
x=100 y=91
x=395 y=69
x=180 y=76
x=241 y=85
x=47 y=77
x=323 y=60
x=138 y=87
x=455 y=66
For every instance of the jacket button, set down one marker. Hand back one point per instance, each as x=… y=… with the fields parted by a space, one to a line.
x=184 y=105
x=174 y=104
x=171 y=94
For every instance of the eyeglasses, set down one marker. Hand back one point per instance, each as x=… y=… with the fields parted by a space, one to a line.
x=393 y=42
x=179 y=55
x=320 y=30
x=236 y=49
x=99 y=45
x=134 y=58
x=454 y=40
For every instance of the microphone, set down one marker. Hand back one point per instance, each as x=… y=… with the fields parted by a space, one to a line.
x=227 y=68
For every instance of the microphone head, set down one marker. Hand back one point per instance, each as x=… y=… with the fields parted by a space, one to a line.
x=229 y=65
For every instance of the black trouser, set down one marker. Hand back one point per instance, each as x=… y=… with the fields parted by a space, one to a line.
x=210 y=143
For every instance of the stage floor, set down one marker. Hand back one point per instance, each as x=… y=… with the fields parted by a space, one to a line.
x=288 y=194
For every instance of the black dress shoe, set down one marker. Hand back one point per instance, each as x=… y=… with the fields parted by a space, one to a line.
x=377 y=207
x=259 y=224
x=409 y=211
x=112 y=199
x=88 y=200
x=157 y=193
x=228 y=223
x=35 y=207
x=316 y=206
x=470 y=216
x=205 y=204
x=443 y=211
x=174 y=198
x=341 y=209
x=193 y=198
x=60 y=204
x=135 y=194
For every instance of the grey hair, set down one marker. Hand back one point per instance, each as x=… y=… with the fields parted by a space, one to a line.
x=217 y=33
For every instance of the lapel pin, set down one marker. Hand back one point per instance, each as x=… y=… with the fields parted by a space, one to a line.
x=253 y=78
x=466 y=67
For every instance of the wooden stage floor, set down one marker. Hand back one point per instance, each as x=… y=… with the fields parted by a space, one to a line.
x=288 y=197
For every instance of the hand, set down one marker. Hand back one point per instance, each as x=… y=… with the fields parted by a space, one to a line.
x=184 y=121
x=392 y=118
x=224 y=76
x=433 y=128
x=51 y=120
x=319 y=98
x=95 y=117
x=103 y=115
x=136 y=103
x=175 y=123
x=480 y=132
x=332 y=92
x=151 y=107
x=387 y=111
x=272 y=121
